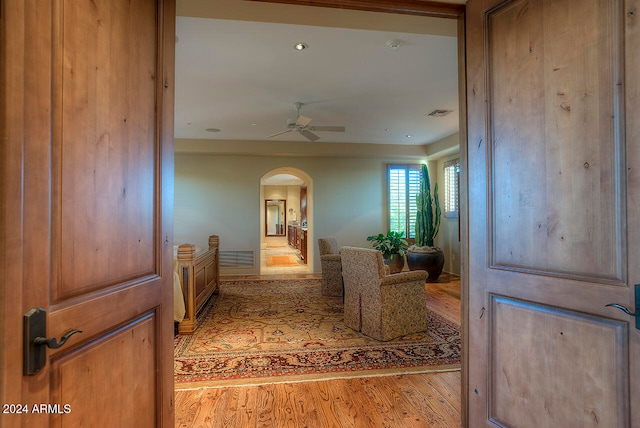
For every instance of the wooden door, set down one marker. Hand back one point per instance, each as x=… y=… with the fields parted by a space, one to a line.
x=86 y=214
x=554 y=212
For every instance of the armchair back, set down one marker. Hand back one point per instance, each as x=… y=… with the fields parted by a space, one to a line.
x=379 y=305
x=328 y=245
x=331 y=266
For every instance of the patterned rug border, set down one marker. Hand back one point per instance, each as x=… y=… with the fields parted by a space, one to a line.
x=273 y=380
x=194 y=382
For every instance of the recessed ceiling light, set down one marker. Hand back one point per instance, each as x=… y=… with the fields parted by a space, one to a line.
x=300 y=46
x=409 y=135
x=212 y=130
x=393 y=44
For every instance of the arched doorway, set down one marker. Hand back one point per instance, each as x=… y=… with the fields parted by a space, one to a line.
x=286 y=222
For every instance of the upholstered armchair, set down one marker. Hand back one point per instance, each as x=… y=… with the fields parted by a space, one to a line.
x=331 y=266
x=380 y=305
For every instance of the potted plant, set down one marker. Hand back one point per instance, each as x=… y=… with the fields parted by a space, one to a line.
x=393 y=248
x=424 y=255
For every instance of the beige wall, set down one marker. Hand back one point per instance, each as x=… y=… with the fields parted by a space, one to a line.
x=220 y=193
x=448 y=237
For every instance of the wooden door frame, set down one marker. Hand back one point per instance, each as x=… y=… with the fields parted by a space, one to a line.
x=447 y=11
x=433 y=9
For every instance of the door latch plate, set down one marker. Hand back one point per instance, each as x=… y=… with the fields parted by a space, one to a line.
x=35 y=356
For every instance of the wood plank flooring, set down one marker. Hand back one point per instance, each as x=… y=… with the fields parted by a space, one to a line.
x=419 y=400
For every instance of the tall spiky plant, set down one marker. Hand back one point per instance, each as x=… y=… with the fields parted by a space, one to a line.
x=427 y=222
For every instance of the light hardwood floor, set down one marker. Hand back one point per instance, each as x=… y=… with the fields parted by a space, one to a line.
x=420 y=400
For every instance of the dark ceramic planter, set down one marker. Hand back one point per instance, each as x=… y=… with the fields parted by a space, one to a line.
x=395 y=263
x=432 y=261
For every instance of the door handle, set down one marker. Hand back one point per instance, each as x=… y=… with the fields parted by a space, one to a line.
x=52 y=342
x=624 y=309
x=35 y=340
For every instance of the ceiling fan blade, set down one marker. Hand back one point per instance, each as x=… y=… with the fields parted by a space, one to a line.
x=302 y=121
x=327 y=128
x=279 y=133
x=309 y=135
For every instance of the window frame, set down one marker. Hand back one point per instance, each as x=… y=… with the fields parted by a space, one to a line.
x=451 y=195
x=412 y=174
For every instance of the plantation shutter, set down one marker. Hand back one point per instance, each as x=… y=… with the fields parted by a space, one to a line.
x=451 y=184
x=404 y=183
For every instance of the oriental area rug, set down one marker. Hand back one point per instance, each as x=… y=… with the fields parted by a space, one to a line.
x=272 y=331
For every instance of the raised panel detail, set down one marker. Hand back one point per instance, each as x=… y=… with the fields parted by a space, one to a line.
x=200 y=280
x=96 y=377
x=579 y=368
x=105 y=143
x=556 y=129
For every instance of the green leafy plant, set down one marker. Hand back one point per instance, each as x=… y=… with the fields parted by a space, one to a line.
x=389 y=244
x=427 y=221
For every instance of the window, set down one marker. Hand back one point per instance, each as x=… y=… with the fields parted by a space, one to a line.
x=451 y=185
x=404 y=183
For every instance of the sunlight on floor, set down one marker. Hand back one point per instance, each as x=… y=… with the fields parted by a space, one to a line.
x=285 y=250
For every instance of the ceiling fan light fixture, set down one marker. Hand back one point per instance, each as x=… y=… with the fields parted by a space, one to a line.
x=301 y=125
x=300 y=46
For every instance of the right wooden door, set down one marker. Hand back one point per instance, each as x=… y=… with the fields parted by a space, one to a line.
x=554 y=212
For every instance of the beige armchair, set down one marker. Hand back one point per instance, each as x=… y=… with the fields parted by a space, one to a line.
x=379 y=305
x=331 y=266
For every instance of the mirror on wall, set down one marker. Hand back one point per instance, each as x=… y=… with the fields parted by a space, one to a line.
x=275 y=218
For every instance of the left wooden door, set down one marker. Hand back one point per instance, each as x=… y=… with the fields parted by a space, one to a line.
x=86 y=122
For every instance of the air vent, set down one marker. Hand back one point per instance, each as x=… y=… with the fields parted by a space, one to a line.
x=237 y=259
x=439 y=113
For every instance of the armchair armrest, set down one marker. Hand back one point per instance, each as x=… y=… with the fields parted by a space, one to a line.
x=331 y=257
x=402 y=277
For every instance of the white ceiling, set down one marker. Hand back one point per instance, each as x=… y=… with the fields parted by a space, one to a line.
x=242 y=77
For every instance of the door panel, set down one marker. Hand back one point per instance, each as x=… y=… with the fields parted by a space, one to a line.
x=555 y=130
x=87 y=199
x=522 y=384
x=75 y=374
x=104 y=211
x=553 y=212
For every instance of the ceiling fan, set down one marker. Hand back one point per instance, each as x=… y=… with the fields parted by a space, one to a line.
x=301 y=125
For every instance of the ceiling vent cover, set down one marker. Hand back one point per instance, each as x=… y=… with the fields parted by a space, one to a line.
x=439 y=113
